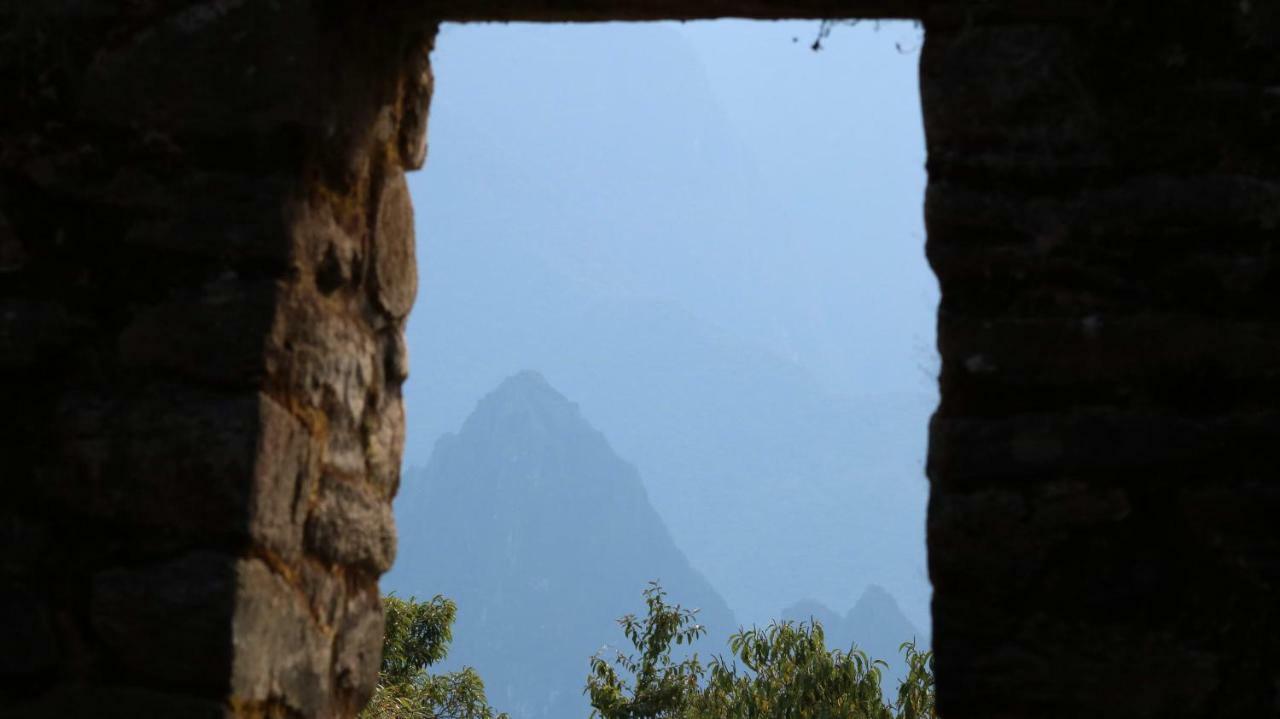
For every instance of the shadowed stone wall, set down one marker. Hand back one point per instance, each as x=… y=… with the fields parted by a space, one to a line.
x=206 y=260
x=1102 y=214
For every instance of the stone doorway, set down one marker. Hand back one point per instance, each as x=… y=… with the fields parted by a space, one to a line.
x=206 y=265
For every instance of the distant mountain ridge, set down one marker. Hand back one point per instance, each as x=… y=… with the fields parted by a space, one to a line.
x=544 y=537
x=875 y=624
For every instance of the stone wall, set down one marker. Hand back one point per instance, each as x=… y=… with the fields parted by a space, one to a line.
x=1102 y=212
x=206 y=260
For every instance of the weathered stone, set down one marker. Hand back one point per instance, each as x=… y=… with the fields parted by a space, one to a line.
x=396 y=365
x=1006 y=99
x=286 y=473
x=352 y=525
x=983 y=534
x=215 y=334
x=1029 y=364
x=1235 y=522
x=104 y=702
x=221 y=215
x=26 y=633
x=151 y=78
x=334 y=255
x=12 y=256
x=173 y=457
x=1012 y=680
x=357 y=651
x=194 y=463
x=27 y=541
x=1137 y=206
x=383 y=434
x=1104 y=443
x=281 y=656
x=395 y=267
x=329 y=361
x=33 y=332
x=415 y=102
x=168 y=622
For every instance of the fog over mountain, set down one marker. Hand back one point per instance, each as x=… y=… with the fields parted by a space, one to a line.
x=543 y=536
x=709 y=238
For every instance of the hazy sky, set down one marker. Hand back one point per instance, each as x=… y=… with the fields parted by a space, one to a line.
x=716 y=181
x=836 y=140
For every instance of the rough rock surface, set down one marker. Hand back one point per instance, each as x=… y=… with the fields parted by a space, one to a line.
x=205 y=268
x=206 y=262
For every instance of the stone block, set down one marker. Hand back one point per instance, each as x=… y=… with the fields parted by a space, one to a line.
x=117 y=702
x=352 y=525
x=384 y=435
x=281 y=656
x=28 y=541
x=168 y=622
x=28 y=644
x=1194 y=363
x=1151 y=244
x=982 y=544
x=169 y=457
x=395 y=268
x=12 y=254
x=335 y=257
x=1235 y=522
x=330 y=363
x=191 y=463
x=1009 y=100
x=325 y=358
x=219 y=215
x=1107 y=445
x=1146 y=207
x=37 y=333
x=415 y=101
x=1061 y=669
x=217 y=66
x=357 y=652
x=286 y=474
x=396 y=362
x=214 y=333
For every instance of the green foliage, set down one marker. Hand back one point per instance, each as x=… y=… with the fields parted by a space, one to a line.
x=786 y=672
x=417 y=635
x=915 y=693
x=659 y=686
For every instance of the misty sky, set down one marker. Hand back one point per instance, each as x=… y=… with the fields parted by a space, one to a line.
x=717 y=183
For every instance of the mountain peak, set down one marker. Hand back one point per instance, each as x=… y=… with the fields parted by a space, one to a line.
x=877 y=607
x=547 y=533
x=875 y=624
x=525 y=380
x=525 y=404
x=876 y=597
x=526 y=387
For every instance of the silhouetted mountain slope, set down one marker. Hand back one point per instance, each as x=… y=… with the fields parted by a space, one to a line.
x=544 y=537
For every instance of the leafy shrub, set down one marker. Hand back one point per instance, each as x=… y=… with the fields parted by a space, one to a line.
x=417 y=636
x=783 y=671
